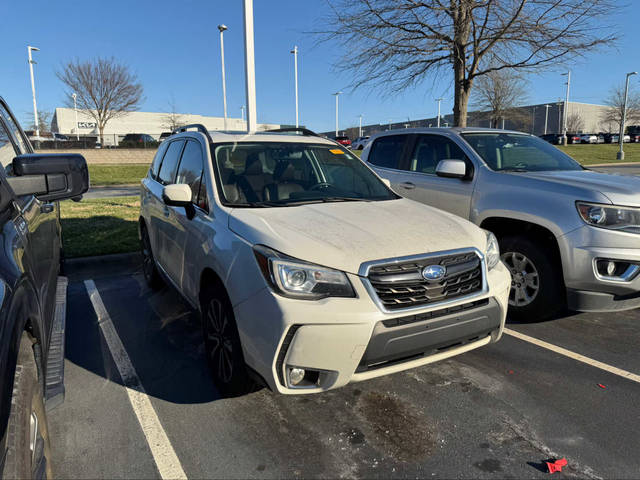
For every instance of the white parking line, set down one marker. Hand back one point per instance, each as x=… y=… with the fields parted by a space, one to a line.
x=576 y=356
x=163 y=454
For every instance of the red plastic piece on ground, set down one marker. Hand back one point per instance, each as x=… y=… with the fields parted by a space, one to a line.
x=557 y=465
x=510 y=372
x=601 y=385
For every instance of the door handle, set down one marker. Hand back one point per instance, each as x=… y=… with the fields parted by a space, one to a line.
x=408 y=185
x=166 y=211
x=46 y=208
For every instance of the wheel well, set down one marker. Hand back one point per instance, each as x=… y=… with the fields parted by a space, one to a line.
x=209 y=278
x=503 y=227
x=141 y=224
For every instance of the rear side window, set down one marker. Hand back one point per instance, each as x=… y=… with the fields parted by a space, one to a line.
x=190 y=170
x=430 y=150
x=170 y=162
x=387 y=151
x=157 y=160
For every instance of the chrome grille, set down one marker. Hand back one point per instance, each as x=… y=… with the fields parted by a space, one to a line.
x=400 y=285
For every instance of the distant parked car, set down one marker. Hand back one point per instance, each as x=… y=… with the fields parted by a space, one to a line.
x=600 y=138
x=359 y=143
x=59 y=137
x=554 y=138
x=573 y=138
x=138 y=140
x=615 y=138
x=588 y=138
x=343 y=140
x=634 y=137
x=165 y=135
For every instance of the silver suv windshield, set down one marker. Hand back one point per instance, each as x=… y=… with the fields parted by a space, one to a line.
x=274 y=174
x=512 y=152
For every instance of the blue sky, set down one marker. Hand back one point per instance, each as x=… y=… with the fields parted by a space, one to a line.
x=176 y=54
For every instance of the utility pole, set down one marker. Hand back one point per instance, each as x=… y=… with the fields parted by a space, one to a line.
x=389 y=124
x=337 y=94
x=533 y=123
x=566 y=109
x=75 y=109
x=439 y=100
x=250 y=69
x=620 y=155
x=360 y=130
x=242 y=112
x=295 y=63
x=546 y=117
x=222 y=28
x=33 y=89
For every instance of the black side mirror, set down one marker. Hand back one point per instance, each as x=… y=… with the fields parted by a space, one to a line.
x=50 y=176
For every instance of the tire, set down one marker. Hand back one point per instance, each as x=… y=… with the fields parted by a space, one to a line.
x=149 y=268
x=222 y=345
x=537 y=290
x=27 y=422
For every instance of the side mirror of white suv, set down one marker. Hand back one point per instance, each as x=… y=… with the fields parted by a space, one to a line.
x=179 y=195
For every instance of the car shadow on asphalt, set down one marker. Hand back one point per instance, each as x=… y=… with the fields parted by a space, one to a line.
x=160 y=332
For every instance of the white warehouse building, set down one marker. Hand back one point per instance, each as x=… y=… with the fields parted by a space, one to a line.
x=151 y=123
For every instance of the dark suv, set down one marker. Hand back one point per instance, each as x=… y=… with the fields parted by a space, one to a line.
x=138 y=140
x=32 y=295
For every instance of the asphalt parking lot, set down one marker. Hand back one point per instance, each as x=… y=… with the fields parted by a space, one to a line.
x=497 y=412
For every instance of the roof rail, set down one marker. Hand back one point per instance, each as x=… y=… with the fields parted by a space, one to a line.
x=303 y=131
x=198 y=126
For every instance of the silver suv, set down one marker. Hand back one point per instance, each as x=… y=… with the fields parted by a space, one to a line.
x=570 y=236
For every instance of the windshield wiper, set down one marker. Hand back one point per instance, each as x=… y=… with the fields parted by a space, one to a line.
x=344 y=199
x=513 y=170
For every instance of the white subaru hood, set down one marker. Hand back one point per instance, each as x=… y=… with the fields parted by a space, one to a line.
x=343 y=235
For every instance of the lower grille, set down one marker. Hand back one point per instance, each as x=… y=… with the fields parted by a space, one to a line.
x=402 y=285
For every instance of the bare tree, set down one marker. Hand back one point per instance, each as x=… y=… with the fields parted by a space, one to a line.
x=499 y=92
x=394 y=44
x=575 y=123
x=172 y=120
x=615 y=101
x=105 y=88
x=44 y=121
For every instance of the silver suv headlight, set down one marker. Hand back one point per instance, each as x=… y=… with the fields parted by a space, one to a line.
x=492 y=254
x=298 y=279
x=612 y=217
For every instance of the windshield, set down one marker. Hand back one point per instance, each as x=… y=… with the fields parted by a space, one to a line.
x=273 y=174
x=519 y=153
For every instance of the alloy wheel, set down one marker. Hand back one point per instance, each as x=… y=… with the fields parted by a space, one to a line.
x=219 y=339
x=147 y=256
x=525 y=280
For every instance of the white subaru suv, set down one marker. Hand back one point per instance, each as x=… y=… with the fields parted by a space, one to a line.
x=308 y=271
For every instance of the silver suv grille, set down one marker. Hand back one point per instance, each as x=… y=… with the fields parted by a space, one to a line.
x=401 y=285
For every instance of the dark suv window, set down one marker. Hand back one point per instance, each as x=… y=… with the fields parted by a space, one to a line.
x=190 y=170
x=170 y=162
x=387 y=151
x=429 y=150
x=157 y=160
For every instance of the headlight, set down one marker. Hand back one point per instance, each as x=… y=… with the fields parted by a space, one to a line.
x=626 y=219
x=492 y=254
x=297 y=279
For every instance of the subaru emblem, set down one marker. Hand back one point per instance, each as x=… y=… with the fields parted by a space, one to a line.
x=434 y=272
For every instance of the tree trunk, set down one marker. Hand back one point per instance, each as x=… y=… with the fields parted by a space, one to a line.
x=461 y=100
x=462 y=85
x=101 y=128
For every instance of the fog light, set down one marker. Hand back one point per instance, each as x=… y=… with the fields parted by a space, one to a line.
x=296 y=375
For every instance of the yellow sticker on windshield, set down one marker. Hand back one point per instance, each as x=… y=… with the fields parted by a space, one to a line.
x=335 y=151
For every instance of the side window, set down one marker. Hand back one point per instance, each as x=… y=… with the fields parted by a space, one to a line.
x=190 y=170
x=170 y=162
x=14 y=131
x=387 y=151
x=429 y=150
x=7 y=152
x=157 y=160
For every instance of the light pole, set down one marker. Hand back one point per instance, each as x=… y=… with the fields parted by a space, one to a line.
x=546 y=117
x=620 y=155
x=566 y=109
x=389 y=124
x=75 y=109
x=439 y=100
x=242 y=112
x=360 y=128
x=250 y=67
x=295 y=67
x=33 y=89
x=222 y=28
x=337 y=94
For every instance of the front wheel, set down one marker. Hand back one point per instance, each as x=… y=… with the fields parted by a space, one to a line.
x=149 y=269
x=222 y=345
x=537 y=290
x=27 y=433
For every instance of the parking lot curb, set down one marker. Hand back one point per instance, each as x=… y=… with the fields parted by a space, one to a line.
x=620 y=164
x=101 y=265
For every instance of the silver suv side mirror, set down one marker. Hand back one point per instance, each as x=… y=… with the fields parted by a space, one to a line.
x=452 y=168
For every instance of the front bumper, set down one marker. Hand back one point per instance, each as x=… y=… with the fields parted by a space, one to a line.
x=346 y=339
x=587 y=290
